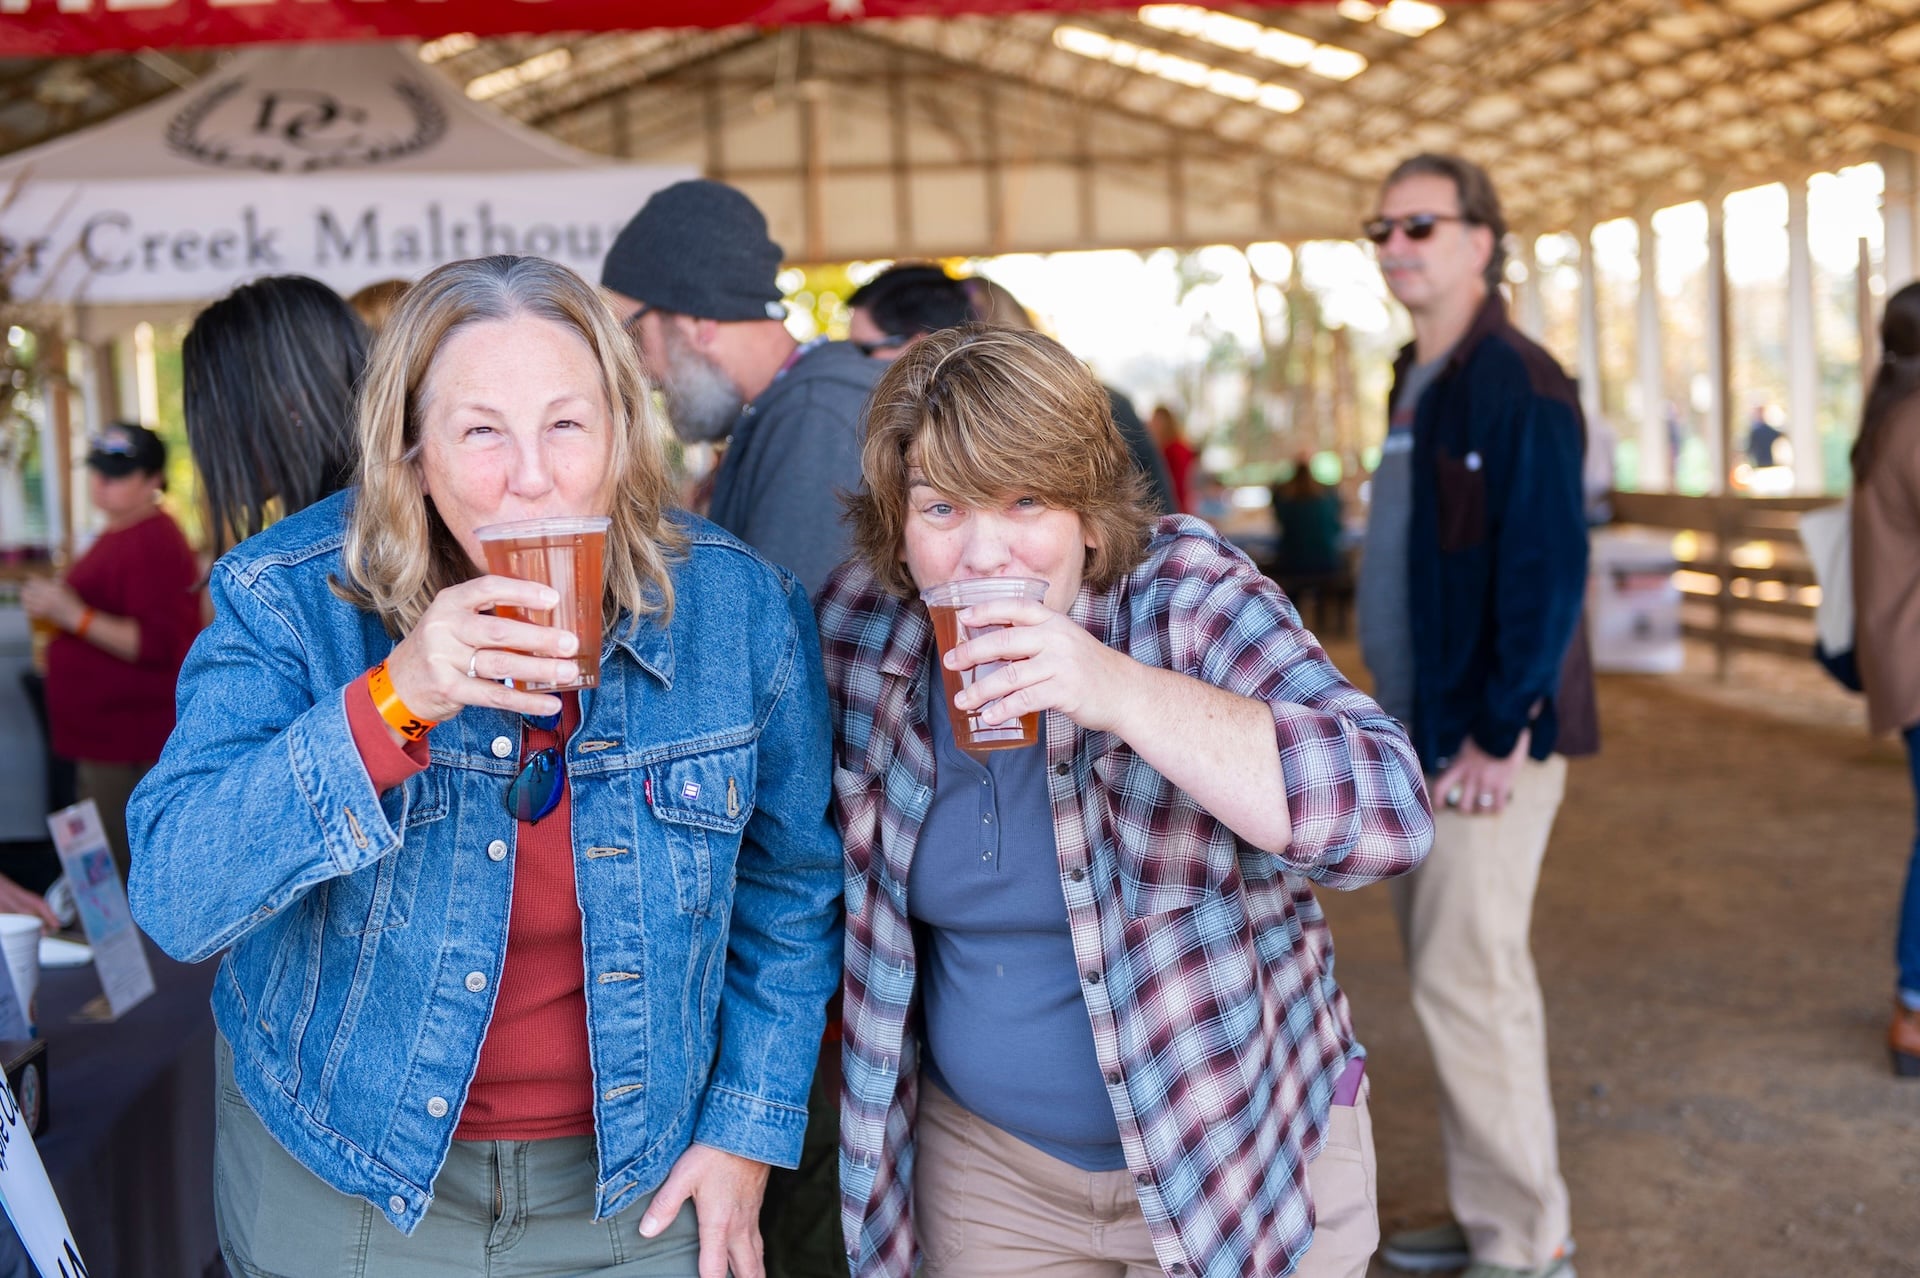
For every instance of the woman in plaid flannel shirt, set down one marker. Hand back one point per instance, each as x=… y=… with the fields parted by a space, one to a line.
x=1166 y=967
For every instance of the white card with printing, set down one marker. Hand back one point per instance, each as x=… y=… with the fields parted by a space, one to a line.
x=118 y=953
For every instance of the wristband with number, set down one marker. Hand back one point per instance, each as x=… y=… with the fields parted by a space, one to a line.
x=392 y=708
x=80 y=626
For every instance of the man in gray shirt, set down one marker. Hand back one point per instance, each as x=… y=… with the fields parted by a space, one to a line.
x=693 y=274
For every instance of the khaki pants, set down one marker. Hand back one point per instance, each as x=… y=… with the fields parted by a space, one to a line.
x=1465 y=917
x=989 y=1205
x=110 y=785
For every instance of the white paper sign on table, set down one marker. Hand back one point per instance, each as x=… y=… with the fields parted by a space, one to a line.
x=29 y=1199
x=118 y=953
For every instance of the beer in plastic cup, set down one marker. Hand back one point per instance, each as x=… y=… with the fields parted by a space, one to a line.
x=569 y=555
x=944 y=603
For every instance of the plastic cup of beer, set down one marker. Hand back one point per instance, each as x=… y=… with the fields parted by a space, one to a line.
x=944 y=604
x=569 y=555
x=20 y=942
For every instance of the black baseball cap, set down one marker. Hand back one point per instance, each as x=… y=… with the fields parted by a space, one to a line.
x=122 y=448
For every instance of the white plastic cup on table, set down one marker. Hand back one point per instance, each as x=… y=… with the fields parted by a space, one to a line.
x=570 y=556
x=944 y=604
x=20 y=938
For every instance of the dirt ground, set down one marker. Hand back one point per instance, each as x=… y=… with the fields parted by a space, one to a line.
x=1714 y=934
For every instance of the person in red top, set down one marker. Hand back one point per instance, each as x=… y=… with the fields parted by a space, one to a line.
x=128 y=611
x=1171 y=439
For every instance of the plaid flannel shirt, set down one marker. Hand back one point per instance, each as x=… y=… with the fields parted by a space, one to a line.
x=1205 y=963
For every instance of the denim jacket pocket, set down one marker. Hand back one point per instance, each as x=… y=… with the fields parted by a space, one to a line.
x=379 y=897
x=703 y=802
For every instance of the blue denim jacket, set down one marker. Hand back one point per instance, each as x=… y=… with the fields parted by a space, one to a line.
x=365 y=932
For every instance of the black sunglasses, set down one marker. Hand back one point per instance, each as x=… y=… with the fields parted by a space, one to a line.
x=628 y=323
x=535 y=791
x=1417 y=226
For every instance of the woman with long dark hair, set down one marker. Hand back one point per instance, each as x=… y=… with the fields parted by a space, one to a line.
x=1886 y=586
x=269 y=375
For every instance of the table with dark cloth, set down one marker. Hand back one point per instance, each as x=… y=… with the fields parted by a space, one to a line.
x=130 y=1146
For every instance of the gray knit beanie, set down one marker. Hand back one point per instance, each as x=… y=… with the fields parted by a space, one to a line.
x=698 y=248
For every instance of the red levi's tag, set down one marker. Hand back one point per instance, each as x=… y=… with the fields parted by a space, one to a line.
x=646 y=788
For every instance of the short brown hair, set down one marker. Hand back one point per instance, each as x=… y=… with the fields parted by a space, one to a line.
x=1479 y=202
x=987 y=413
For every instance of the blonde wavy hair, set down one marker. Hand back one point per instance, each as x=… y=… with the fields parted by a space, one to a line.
x=399 y=553
x=987 y=413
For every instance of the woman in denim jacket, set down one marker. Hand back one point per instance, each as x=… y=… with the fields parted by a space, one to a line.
x=529 y=1033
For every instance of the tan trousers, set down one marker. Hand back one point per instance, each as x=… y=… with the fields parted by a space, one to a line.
x=1465 y=917
x=110 y=786
x=989 y=1205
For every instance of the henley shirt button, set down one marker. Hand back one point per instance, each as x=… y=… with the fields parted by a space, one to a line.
x=437 y=1106
x=502 y=747
x=1093 y=978
x=497 y=850
x=476 y=981
x=396 y=1203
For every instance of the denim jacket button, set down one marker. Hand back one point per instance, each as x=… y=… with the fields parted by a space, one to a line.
x=396 y=1204
x=476 y=981
x=497 y=850
x=437 y=1106
x=502 y=747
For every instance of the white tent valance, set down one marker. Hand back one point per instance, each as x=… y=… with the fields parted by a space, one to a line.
x=349 y=163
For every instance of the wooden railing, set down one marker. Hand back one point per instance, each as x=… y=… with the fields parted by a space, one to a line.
x=1745 y=581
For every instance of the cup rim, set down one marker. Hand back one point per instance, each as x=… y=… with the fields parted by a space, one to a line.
x=948 y=593
x=6 y=926
x=551 y=526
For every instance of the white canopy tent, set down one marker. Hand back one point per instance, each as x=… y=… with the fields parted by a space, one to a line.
x=348 y=162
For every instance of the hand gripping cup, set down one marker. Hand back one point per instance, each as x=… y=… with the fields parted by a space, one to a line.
x=944 y=603
x=570 y=556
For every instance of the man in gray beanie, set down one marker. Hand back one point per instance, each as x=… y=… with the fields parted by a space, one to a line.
x=693 y=274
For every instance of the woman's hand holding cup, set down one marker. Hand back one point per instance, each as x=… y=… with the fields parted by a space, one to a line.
x=460 y=655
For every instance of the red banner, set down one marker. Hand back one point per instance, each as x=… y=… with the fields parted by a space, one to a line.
x=43 y=28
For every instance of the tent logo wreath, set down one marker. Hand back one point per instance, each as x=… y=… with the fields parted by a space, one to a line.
x=303 y=130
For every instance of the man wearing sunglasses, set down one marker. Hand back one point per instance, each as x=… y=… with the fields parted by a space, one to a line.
x=1469 y=611
x=693 y=277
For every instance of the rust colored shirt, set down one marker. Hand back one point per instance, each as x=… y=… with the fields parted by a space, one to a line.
x=535 y=1077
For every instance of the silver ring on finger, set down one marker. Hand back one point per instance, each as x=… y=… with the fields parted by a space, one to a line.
x=473 y=665
x=1485 y=800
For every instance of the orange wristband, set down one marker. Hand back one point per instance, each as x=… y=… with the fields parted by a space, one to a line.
x=392 y=708
x=80 y=626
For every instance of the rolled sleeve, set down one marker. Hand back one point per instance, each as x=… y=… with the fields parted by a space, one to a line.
x=1356 y=797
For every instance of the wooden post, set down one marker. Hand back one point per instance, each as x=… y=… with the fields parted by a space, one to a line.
x=1590 y=398
x=1723 y=521
x=1656 y=471
x=1719 y=344
x=1869 y=322
x=1803 y=370
x=58 y=469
